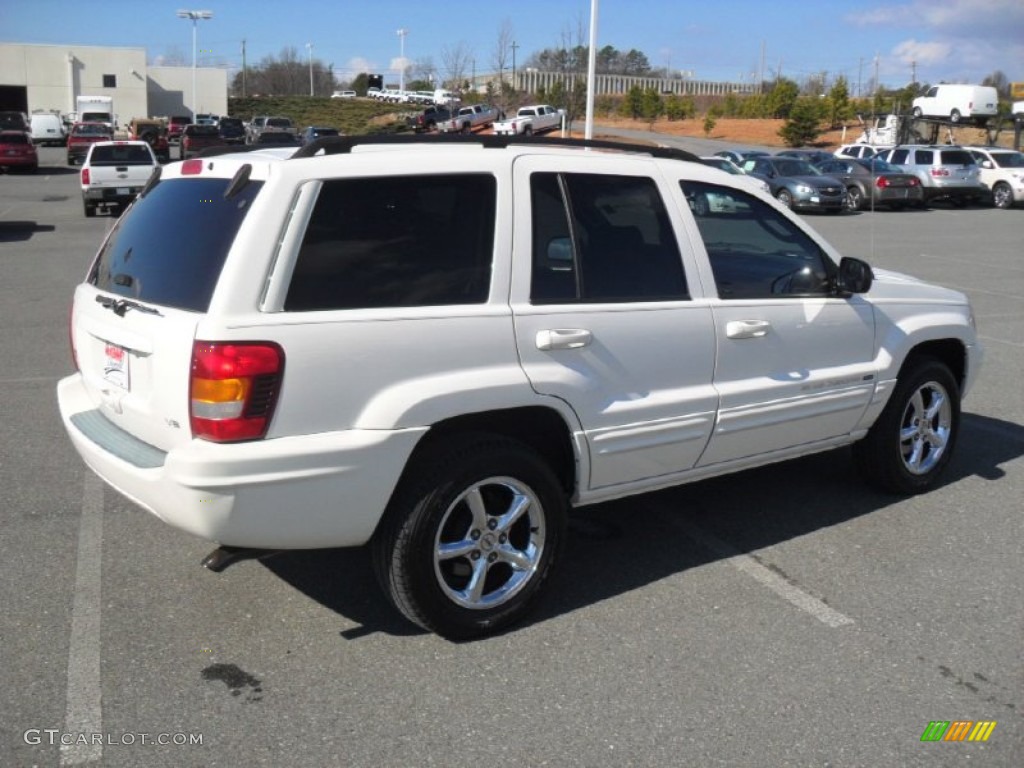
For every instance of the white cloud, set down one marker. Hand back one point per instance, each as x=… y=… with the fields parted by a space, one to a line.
x=924 y=53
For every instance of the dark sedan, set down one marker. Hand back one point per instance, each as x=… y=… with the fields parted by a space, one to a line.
x=870 y=183
x=797 y=184
x=314 y=132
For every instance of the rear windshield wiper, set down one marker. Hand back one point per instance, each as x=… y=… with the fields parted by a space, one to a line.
x=121 y=306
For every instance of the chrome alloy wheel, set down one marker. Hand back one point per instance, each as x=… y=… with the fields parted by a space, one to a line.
x=925 y=428
x=489 y=543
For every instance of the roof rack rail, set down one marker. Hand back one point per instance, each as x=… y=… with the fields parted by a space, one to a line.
x=335 y=145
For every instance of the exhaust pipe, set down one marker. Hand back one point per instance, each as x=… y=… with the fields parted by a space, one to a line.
x=224 y=556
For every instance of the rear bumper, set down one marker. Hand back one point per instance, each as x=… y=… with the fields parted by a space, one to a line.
x=314 y=491
x=112 y=195
x=955 y=193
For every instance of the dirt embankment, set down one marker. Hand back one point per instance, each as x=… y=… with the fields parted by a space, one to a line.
x=766 y=132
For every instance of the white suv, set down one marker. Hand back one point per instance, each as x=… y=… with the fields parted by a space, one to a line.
x=306 y=365
x=1002 y=173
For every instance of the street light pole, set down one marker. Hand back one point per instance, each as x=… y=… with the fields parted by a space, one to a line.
x=401 y=58
x=195 y=16
x=309 y=47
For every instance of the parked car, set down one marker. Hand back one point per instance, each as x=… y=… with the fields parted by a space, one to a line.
x=254 y=128
x=945 y=172
x=196 y=138
x=278 y=125
x=873 y=182
x=232 y=130
x=343 y=95
x=812 y=156
x=428 y=118
x=797 y=184
x=740 y=156
x=1001 y=171
x=857 y=151
x=84 y=134
x=17 y=152
x=175 y=125
x=314 y=132
x=278 y=138
x=154 y=132
x=113 y=173
x=47 y=128
x=249 y=378
x=13 y=120
x=727 y=165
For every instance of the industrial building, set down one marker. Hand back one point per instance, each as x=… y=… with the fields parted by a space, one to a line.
x=48 y=78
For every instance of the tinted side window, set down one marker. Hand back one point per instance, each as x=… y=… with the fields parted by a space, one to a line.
x=898 y=156
x=397 y=241
x=169 y=249
x=602 y=238
x=755 y=252
x=956 y=157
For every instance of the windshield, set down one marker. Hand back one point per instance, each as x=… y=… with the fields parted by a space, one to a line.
x=795 y=168
x=170 y=246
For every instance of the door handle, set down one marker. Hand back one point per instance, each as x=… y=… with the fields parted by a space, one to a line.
x=563 y=338
x=747 y=329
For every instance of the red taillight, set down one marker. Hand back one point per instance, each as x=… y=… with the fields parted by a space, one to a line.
x=191 y=167
x=233 y=389
x=882 y=182
x=85 y=177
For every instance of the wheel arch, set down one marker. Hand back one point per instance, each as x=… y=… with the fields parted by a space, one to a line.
x=950 y=352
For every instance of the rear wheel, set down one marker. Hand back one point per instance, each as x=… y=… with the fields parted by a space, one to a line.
x=470 y=535
x=955 y=116
x=785 y=197
x=917 y=112
x=910 y=445
x=528 y=130
x=90 y=210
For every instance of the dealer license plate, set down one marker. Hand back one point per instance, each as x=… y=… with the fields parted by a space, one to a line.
x=115 y=366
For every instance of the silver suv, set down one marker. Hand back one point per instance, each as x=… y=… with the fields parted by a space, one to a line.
x=946 y=172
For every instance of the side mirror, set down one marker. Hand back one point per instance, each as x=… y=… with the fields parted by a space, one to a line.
x=855 y=276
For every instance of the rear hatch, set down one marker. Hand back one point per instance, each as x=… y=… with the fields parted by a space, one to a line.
x=134 y=319
x=955 y=167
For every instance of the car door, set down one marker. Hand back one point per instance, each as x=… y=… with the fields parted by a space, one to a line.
x=795 y=362
x=603 y=318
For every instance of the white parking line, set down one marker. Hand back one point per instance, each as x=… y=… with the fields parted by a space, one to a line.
x=767 y=577
x=84 y=712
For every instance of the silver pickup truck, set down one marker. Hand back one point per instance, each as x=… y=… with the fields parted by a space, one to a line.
x=469 y=119
x=536 y=118
x=114 y=172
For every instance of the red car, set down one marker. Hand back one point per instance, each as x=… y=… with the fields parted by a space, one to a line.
x=196 y=138
x=175 y=125
x=84 y=134
x=17 y=151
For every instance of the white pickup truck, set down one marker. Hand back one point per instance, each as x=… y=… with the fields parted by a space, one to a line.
x=536 y=118
x=469 y=119
x=114 y=172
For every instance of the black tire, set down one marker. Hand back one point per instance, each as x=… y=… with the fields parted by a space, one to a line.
x=1002 y=195
x=955 y=116
x=785 y=197
x=854 y=198
x=910 y=444
x=917 y=112
x=528 y=130
x=90 y=210
x=429 y=510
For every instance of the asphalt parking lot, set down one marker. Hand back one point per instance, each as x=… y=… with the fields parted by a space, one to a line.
x=785 y=616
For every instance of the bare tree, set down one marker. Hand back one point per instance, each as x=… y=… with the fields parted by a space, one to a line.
x=502 y=49
x=455 y=61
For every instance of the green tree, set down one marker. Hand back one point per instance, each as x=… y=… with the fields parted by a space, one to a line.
x=839 y=108
x=360 y=83
x=803 y=126
x=709 y=124
x=651 y=105
x=632 y=105
x=782 y=97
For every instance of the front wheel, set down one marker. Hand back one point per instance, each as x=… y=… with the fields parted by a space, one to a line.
x=955 y=116
x=910 y=444
x=854 y=198
x=785 y=197
x=470 y=535
x=1002 y=195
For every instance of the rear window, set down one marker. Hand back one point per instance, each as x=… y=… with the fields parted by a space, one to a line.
x=14 y=138
x=202 y=130
x=956 y=157
x=279 y=122
x=406 y=241
x=91 y=130
x=170 y=247
x=121 y=155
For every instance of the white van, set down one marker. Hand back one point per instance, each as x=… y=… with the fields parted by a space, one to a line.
x=46 y=128
x=958 y=103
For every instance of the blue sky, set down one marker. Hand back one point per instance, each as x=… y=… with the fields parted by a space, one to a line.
x=950 y=40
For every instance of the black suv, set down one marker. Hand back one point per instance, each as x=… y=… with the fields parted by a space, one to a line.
x=232 y=130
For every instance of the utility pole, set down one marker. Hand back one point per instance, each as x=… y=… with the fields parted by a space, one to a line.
x=860 y=71
x=760 y=75
x=243 y=67
x=514 y=46
x=913 y=73
x=401 y=59
x=877 y=84
x=309 y=47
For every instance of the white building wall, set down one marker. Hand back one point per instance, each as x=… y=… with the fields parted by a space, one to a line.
x=170 y=91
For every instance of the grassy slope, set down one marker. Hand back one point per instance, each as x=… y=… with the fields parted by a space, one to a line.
x=350 y=116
